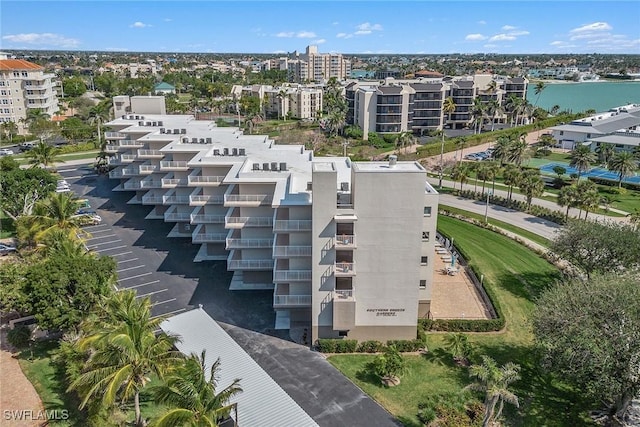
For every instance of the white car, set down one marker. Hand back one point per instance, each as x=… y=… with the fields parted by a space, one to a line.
x=6 y=249
x=89 y=218
x=62 y=183
x=5 y=152
x=63 y=189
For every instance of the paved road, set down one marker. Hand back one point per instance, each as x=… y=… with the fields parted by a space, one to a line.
x=163 y=269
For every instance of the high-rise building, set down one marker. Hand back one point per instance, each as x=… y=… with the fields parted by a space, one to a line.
x=25 y=86
x=347 y=247
x=314 y=66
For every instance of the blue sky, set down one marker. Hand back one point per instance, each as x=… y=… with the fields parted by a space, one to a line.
x=335 y=26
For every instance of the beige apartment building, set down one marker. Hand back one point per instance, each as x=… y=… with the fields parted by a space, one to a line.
x=290 y=100
x=318 y=67
x=345 y=246
x=25 y=86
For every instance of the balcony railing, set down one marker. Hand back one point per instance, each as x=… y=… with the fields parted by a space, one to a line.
x=130 y=143
x=246 y=199
x=127 y=158
x=345 y=241
x=145 y=169
x=344 y=268
x=208 y=237
x=173 y=199
x=115 y=135
x=173 y=182
x=150 y=184
x=292 y=300
x=206 y=219
x=116 y=173
x=205 y=180
x=132 y=185
x=150 y=154
x=250 y=264
x=151 y=200
x=249 y=243
x=343 y=294
x=292 y=225
x=204 y=199
x=130 y=171
x=111 y=148
x=291 y=251
x=176 y=217
x=173 y=165
x=291 y=275
x=248 y=221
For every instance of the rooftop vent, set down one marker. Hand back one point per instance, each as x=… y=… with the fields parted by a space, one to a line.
x=201 y=140
x=283 y=166
x=274 y=166
x=216 y=152
x=209 y=141
x=137 y=117
x=183 y=131
x=265 y=166
x=161 y=130
x=234 y=151
x=160 y=123
x=241 y=151
x=309 y=185
x=194 y=140
x=176 y=131
x=185 y=140
x=140 y=123
x=344 y=186
x=225 y=151
x=256 y=166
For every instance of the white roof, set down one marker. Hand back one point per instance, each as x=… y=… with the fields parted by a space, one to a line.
x=262 y=403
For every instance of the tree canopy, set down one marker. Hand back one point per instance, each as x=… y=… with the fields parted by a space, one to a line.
x=20 y=189
x=589 y=335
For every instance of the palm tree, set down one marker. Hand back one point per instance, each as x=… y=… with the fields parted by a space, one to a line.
x=10 y=129
x=581 y=158
x=478 y=113
x=448 y=107
x=588 y=197
x=568 y=197
x=511 y=176
x=58 y=242
x=192 y=397
x=622 y=163
x=540 y=87
x=502 y=149
x=460 y=173
x=545 y=142
x=531 y=185
x=125 y=351
x=494 y=381
x=605 y=152
x=494 y=109
x=554 y=110
x=518 y=149
x=485 y=172
x=58 y=213
x=512 y=106
x=282 y=95
x=43 y=154
x=460 y=143
x=403 y=139
x=459 y=347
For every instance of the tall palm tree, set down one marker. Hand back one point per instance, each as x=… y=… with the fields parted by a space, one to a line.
x=512 y=106
x=588 y=197
x=494 y=109
x=403 y=139
x=511 y=176
x=539 y=88
x=460 y=173
x=484 y=173
x=58 y=242
x=478 y=111
x=43 y=154
x=494 y=381
x=125 y=350
x=192 y=397
x=448 y=107
x=622 y=163
x=58 y=213
x=568 y=197
x=581 y=158
x=518 y=149
x=531 y=185
x=502 y=149
x=605 y=152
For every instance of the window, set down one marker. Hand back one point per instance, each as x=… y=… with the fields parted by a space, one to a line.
x=424 y=260
x=343 y=333
x=425 y=236
x=423 y=284
x=427 y=211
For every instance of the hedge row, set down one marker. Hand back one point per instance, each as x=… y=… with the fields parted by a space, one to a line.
x=336 y=345
x=76 y=148
x=608 y=182
x=520 y=205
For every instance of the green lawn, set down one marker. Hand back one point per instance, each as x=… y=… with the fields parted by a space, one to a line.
x=517 y=276
x=42 y=372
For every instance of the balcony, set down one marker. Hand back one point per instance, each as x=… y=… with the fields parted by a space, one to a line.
x=147 y=169
x=38 y=96
x=127 y=158
x=208 y=237
x=153 y=183
x=204 y=199
x=116 y=173
x=250 y=264
x=206 y=219
x=173 y=182
x=344 y=310
x=291 y=251
x=284 y=301
x=130 y=143
x=130 y=171
x=205 y=181
x=110 y=148
x=344 y=269
x=166 y=165
x=239 y=200
x=246 y=221
x=291 y=275
x=249 y=243
x=177 y=216
x=292 y=225
x=175 y=200
x=345 y=241
x=132 y=185
x=151 y=199
x=150 y=154
x=115 y=135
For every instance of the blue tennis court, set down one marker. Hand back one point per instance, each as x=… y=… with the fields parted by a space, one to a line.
x=595 y=172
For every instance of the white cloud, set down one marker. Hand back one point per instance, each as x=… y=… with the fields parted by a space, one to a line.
x=362 y=32
x=341 y=35
x=306 y=35
x=285 y=34
x=490 y=46
x=319 y=41
x=508 y=27
x=335 y=23
x=168 y=19
x=557 y=43
x=139 y=24
x=42 y=39
x=501 y=37
x=594 y=26
x=519 y=33
x=475 y=37
x=482 y=22
x=278 y=52
x=369 y=27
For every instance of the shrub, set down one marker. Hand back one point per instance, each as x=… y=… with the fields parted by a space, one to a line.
x=406 y=346
x=389 y=364
x=370 y=347
x=451 y=409
x=19 y=336
x=326 y=345
x=332 y=345
x=346 y=346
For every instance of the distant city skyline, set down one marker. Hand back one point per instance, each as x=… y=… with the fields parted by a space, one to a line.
x=351 y=27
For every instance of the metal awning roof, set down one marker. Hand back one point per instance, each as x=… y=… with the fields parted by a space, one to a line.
x=262 y=403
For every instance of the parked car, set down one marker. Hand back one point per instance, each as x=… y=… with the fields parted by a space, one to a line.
x=6 y=249
x=62 y=183
x=26 y=146
x=63 y=189
x=84 y=204
x=472 y=156
x=88 y=218
x=5 y=152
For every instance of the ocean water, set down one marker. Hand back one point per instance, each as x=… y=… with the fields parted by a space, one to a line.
x=599 y=96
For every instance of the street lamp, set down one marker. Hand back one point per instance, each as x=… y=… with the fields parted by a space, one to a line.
x=486 y=208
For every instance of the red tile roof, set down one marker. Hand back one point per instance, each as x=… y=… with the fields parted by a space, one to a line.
x=18 y=64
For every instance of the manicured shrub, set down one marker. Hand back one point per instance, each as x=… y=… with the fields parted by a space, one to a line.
x=326 y=345
x=332 y=345
x=370 y=347
x=346 y=346
x=406 y=346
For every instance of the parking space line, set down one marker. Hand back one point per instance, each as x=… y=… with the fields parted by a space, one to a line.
x=102 y=237
x=180 y=310
x=162 y=302
x=110 y=249
x=122 y=253
x=152 y=293
x=129 y=268
x=140 y=285
x=96 y=226
x=127 y=260
x=134 y=277
x=102 y=231
x=74 y=177
x=103 y=243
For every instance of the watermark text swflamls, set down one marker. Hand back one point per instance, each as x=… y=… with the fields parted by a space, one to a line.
x=31 y=415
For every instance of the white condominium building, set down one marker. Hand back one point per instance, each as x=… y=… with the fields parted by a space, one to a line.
x=347 y=247
x=314 y=66
x=25 y=86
